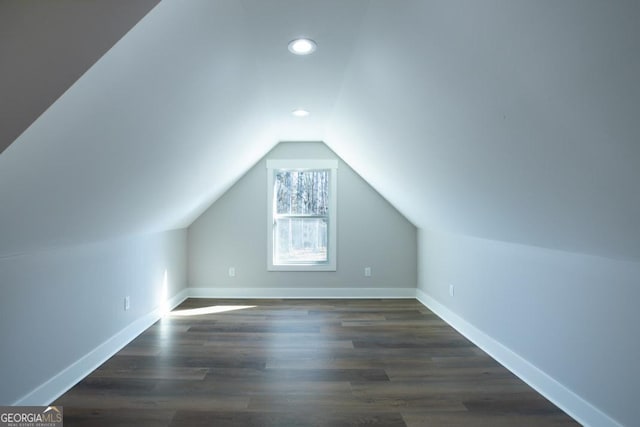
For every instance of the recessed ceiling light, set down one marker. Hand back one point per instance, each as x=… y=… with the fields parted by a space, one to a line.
x=302 y=46
x=300 y=112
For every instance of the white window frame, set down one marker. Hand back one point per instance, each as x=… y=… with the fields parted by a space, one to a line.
x=304 y=164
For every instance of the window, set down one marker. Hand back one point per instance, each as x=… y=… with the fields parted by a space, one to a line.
x=302 y=215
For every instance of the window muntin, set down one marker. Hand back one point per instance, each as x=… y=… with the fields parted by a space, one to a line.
x=302 y=214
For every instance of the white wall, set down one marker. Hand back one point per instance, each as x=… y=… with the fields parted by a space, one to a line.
x=233 y=232
x=573 y=316
x=59 y=305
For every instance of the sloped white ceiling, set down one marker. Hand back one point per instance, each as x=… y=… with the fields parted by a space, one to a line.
x=45 y=46
x=508 y=120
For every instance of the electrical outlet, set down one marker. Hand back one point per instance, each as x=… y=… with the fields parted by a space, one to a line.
x=127 y=303
x=452 y=290
x=367 y=272
x=232 y=272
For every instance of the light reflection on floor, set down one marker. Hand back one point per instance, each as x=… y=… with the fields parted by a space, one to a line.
x=209 y=310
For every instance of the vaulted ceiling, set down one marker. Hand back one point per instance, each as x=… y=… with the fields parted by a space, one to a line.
x=45 y=46
x=507 y=120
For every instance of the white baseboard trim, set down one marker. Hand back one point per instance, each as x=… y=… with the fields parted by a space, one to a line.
x=59 y=384
x=578 y=408
x=312 y=293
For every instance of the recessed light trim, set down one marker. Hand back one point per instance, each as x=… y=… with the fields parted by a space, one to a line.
x=299 y=112
x=302 y=46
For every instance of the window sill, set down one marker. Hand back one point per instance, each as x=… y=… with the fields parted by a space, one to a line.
x=302 y=267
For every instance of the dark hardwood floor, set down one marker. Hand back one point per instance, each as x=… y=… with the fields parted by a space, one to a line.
x=304 y=363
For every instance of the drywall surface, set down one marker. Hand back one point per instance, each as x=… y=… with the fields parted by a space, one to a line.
x=509 y=120
x=572 y=316
x=59 y=305
x=163 y=139
x=46 y=46
x=233 y=233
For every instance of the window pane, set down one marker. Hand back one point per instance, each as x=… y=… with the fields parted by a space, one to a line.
x=302 y=192
x=300 y=240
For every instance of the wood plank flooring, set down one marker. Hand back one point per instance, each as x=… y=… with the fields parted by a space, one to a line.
x=304 y=363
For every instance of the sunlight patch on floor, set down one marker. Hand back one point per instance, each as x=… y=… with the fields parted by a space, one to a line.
x=213 y=309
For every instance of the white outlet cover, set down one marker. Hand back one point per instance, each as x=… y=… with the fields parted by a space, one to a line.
x=451 y=290
x=367 y=272
x=127 y=303
x=232 y=272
